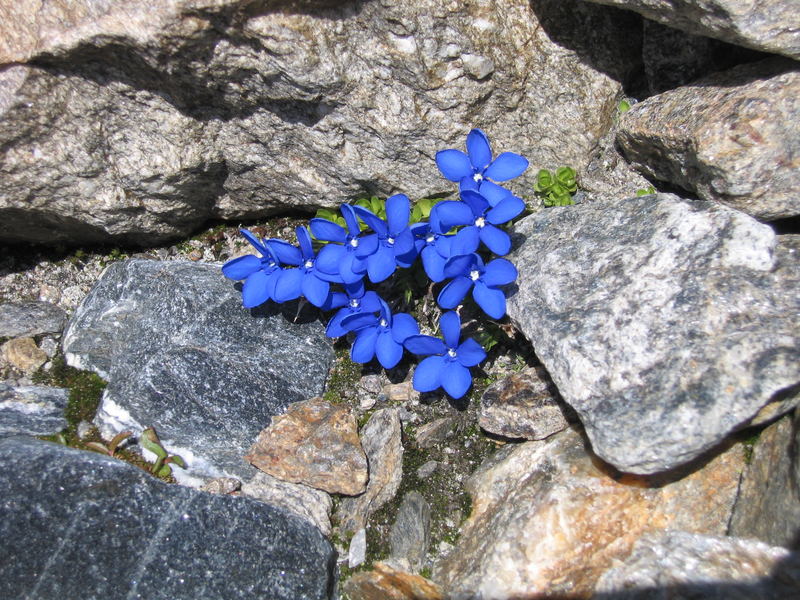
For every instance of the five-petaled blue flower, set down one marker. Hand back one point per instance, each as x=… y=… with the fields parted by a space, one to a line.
x=355 y=300
x=395 y=240
x=349 y=259
x=260 y=274
x=475 y=170
x=433 y=245
x=468 y=271
x=382 y=335
x=448 y=365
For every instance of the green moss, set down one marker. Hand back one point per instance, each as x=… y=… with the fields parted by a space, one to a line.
x=344 y=375
x=748 y=445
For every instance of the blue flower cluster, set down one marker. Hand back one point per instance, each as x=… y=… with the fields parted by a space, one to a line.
x=448 y=245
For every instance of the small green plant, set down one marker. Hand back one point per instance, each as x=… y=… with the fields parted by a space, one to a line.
x=112 y=446
x=556 y=189
x=623 y=106
x=161 y=468
x=646 y=191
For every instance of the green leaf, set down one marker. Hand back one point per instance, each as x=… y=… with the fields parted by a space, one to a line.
x=118 y=439
x=149 y=440
x=98 y=447
x=544 y=181
x=416 y=214
x=164 y=471
x=623 y=106
x=646 y=191
x=177 y=460
x=565 y=176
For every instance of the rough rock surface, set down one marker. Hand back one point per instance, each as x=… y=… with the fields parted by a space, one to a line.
x=769 y=25
x=732 y=137
x=32 y=410
x=666 y=324
x=136 y=122
x=23 y=354
x=410 y=536
x=25 y=319
x=545 y=520
x=524 y=405
x=768 y=506
x=79 y=525
x=387 y=583
x=181 y=354
x=314 y=443
x=676 y=565
x=381 y=440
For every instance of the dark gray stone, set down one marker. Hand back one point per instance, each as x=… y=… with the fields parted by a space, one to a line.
x=410 y=535
x=32 y=410
x=26 y=319
x=181 y=354
x=78 y=524
x=666 y=324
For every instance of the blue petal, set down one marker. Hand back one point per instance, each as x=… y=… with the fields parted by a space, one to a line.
x=493 y=192
x=329 y=257
x=495 y=239
x=480 y=153
x=334 y=328
x=351 y=220
x=453 y=164
x=433 y=263
x=499 y=272
x=428 y=373
x=424 y=344
x=465 y=241
x=443 y=243
x=367 y=245
x=350 y=268
x=288 y=285
x=453 y=293
x=371 y=302
x=403 y=327
x=359 y=320
x=491 y=301
x=398 y=211
x=407 y=259
x=477 y=203
x=388 y=351
x=456 y=379
x=315 y=289
x=508 y=208
x=459 y=266
x=450 y=324
x=470 y=353
x=506 y=166
x=452 y=213
x=364 y=345
x=254 y=241
x=327 y=230
x=257 y=289
x=381 y=264
x=242 y=267
x=403 y=242
x=286 y=253
x=373 y=221
x=334 y=300
x=304 y=240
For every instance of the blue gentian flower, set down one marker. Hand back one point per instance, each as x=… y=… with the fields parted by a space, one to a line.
x=448 y=365
x=468 y=271
x=306 y=280
x=355 y=300
x=349 y=259
x=477 y=214
x=260 y=274
x=433 y=245
x=380 y=336
x=475 y=170
x=395 y=240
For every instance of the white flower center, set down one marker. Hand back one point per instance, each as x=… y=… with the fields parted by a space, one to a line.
x=480 y=222
x=390 y=241
x=354 y=243
x=384 y=323
x=477 y=177
x=354 y=302
x=451 y=353
x=309 y=263
x=474 y=275
x=430 y=239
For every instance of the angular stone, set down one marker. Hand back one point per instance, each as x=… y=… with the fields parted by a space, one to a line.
x=666 y=324
x=387 y=583
x=523 y=405
x=180 y=353
x=410 y=535
x=769 y=25
x=32 y=410
x=78 y=525
x=546 y=521
x=768 y=506
x=23 y=354
x=311 y=504
x=732 y=137
x=381 y=439
x=435 y=432
x=26 y=319
x=681 y=565
x=314 y=443
x=357 y=552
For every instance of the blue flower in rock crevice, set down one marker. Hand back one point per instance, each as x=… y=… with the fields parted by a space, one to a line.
x=449 y=361
x=395 y=240
x=260 y=274
x=348 y=260
x=468 y=271
x=475 y=170
x=382 y=335
x=355 y=300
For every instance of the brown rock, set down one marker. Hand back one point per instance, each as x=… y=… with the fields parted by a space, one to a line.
x=400 y=392
x=548 y=519
x=314 y=443
x=523 y=405
x=436 y=431
x=24 y=354
x=386 y=583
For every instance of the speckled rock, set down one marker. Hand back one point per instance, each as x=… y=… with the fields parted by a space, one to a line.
x=410 y=535
x=546 y=521
x=32 y=410
x=26 y=319
x=180 y=353
x=23 y=354
x=314 y=443
x=666 y=324
x=386 y=583
x=90 y=526
x=732 y=137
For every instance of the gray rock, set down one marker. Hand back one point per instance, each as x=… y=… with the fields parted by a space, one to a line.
x=666 y=324
x=434 y=432
x=80 y=525
x=427 y=469
x=410 y=535
x=768 y=505
x=524 y=405
x=730 y=137
x=181 y=354
x=677 y=565
x=136 y=129
x=26 y=319
x=32 y=410
x=357 y=552
x=769 y=25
